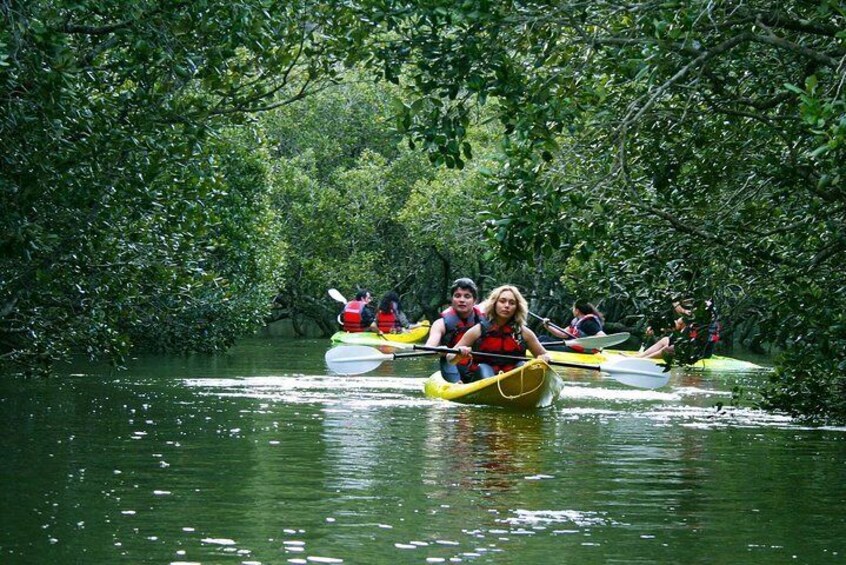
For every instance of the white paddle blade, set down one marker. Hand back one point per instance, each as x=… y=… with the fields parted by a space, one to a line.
x=640 y=373
x=354 y=359
x=337 y=296
x=641 y=381
x=598 y=341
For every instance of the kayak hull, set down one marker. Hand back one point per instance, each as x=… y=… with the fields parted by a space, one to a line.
x=405 y=339
x=715 y=363
x=534 y=385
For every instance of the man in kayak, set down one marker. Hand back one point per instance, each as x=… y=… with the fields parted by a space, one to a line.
x=358 y=315
x=462 y=315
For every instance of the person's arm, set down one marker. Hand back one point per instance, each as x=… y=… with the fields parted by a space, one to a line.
x=534 y=345
x=436 y=333
x=465 y=345
x=555 y=331
x=403 y=319
x=368 y=320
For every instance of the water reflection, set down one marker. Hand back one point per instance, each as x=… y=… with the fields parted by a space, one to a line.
x=485 y=450
x=259 y=457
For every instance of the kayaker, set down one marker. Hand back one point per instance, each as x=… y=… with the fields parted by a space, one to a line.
x=358 y=315
x=503 y=331
x=462 y=315
x=389 y=316
x=691 y=331
x=587 y=321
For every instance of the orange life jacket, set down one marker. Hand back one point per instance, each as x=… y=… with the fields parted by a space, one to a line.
x=455 y=326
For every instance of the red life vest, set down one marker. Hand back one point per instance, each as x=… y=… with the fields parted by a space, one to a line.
x=713 y=331
x=387 y=321
x=352 y=316
x=455 y=327
x=503 y=340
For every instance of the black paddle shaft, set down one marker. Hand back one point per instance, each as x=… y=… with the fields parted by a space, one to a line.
x=511 y=357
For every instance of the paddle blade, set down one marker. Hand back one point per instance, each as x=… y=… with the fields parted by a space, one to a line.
x=641 y=381
x=354 y=359
x=598 y=341
x=640 y=373
x=337 y=296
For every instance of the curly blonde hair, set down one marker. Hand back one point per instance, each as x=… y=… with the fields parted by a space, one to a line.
x=520 y=314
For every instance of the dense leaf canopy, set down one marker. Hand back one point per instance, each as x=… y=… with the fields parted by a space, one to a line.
x=655 y=149
x=169 y=167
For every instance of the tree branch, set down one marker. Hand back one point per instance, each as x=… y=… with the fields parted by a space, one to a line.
x=828 y=252
x=684 y=227
x=782 y=43
x=91 y=30
x=781 y=21
x=652 y=98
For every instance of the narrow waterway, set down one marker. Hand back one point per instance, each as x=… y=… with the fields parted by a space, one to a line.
x=260 y=456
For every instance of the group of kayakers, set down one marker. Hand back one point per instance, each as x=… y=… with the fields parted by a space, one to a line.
x=360 y=316
x=491 y=336
x=496 y=328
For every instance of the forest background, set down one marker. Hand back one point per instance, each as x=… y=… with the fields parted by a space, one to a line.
x=173 y=173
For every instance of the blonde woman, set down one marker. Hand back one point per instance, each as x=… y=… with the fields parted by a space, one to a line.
x=503 y=332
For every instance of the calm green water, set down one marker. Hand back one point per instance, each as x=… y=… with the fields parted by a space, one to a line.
x=259 y=456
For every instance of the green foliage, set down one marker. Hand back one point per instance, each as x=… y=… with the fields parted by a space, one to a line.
x=361 y=211
x=123 y=208
x=662 y=151
x=699 y=135
x=814 y=386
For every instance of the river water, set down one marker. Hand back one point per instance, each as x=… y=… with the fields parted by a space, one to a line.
x=260 y=456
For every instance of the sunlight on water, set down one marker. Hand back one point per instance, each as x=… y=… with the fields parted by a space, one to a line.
x=614 y=394
x=260 y=457
x=359 y=391
x=544 y=517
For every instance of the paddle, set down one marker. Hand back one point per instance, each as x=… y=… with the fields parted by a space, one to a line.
x=358 y=359
x=587 y=342
x=535 y=316
x=593 y=341
x=337 y=296
x=638 y=366
x=638 y=380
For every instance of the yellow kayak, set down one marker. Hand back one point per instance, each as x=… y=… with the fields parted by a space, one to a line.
x=413 y=335
x=714 y=363
x=534 y=385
